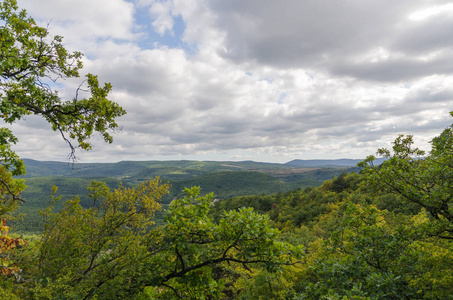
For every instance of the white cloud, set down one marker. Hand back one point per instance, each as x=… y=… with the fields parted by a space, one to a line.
x=431 y=11
x=83 y=23
x=262 y=80
x=163 y=20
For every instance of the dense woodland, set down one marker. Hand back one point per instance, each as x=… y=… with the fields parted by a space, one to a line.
x=221 y=178
x=385 y=232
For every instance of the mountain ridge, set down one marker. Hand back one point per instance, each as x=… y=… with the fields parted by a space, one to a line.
x=121 y=169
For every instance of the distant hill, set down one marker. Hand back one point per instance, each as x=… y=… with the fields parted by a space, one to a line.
x=37 y=197
x=229 y=184
x=181 y=169
x=224 y=178
x=171 y=169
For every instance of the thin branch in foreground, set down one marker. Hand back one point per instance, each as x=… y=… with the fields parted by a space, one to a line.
x=15 y=198
x=173 y=289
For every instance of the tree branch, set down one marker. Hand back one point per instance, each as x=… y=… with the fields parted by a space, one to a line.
x=10 y=192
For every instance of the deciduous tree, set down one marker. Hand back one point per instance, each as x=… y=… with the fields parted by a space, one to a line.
x=112 y=250
x=425 y=180
x=31 y=61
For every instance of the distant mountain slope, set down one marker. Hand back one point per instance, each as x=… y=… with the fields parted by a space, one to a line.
x=229 y=184
x=178 y=169
x=224 y=179
x=37 y=197
x=134 y=172
x=46 y=168
x=131 y=169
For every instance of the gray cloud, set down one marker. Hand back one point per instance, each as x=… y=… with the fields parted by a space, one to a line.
x=264 y=80
x=332 y=36
x=394 y=69
x=424 y=37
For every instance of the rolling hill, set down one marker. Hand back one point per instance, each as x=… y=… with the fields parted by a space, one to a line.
x=225 y=179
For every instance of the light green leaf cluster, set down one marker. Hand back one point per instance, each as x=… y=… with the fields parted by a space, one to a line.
x=422 y=180
x=201 y=250
x=96 y=251
x=112 y=250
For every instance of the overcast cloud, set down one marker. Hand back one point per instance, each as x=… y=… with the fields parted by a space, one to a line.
x=258 y=79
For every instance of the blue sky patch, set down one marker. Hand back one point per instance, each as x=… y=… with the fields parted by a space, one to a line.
x=151 y=39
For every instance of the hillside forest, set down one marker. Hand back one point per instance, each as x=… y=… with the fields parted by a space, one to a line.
x=381 y=231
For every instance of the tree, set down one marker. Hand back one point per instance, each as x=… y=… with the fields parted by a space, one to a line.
x=31 y=60
x=378 y=255
x=96 y=251
x=425 y=180
x=113 y=251
x=198 y=245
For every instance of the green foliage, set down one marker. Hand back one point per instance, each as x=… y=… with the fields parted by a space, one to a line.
x=36 y=197
x=424 y=181
x=95 y=251
x=378 y=255
x=112 y=250
x=228 y=184
x=197 y=246
x=358 y=251
x=30 y=60
x=267 y=286
x=299 y=207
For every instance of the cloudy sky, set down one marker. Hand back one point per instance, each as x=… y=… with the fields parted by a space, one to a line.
x=255 y=80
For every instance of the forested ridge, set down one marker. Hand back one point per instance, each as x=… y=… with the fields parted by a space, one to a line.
x=384 y=232
x=221 y=178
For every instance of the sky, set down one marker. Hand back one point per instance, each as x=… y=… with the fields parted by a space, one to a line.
x=258 y=80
